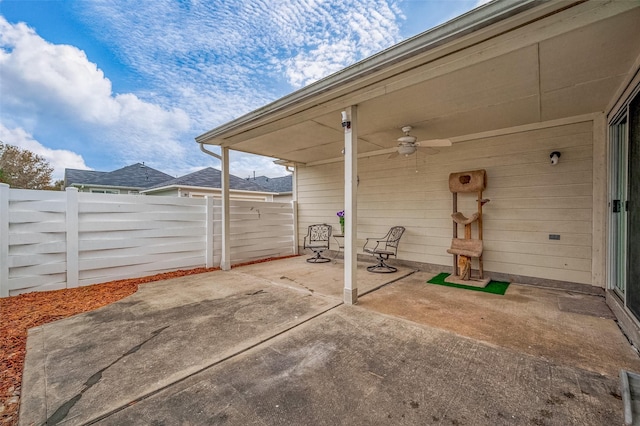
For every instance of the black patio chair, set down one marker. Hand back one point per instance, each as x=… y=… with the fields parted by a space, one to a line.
x=382 y=248
x=317 y=240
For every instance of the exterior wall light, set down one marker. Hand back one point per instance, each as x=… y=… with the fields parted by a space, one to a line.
x=555 y=157
x=345 y=120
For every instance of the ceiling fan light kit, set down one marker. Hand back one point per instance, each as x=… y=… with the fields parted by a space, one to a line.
x=406 y=150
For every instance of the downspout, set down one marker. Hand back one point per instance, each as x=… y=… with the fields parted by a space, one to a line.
x=211 y=153
x=225 y=260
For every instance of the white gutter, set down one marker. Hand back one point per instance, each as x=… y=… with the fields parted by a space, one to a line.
x=100 y=186
x=206 y=188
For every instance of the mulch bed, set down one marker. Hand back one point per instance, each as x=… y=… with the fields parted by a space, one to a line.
x=20 y=313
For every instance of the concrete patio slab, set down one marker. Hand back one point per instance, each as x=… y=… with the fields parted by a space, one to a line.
x=85 y=365
x=271 y=343
x=356 y=367
x=528 y=319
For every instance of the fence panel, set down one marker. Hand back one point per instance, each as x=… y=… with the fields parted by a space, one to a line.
x=37 y=246
x=52 y=240
x=259 y=230
x=125 y=236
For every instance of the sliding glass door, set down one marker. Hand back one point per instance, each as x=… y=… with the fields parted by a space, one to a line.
x=624 y=205
x=617 y=205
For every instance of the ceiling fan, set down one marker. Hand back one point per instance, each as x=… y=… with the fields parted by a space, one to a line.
x=408 y=144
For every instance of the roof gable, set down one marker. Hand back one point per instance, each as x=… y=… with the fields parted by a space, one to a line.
x=136 y=175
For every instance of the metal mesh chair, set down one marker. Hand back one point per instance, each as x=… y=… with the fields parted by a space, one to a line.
x=382 y=248
x=317 y=240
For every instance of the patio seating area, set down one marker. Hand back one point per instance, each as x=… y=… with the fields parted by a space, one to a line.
x=272 y=343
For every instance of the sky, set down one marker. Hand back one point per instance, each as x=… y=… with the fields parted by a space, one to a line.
x=102 y=84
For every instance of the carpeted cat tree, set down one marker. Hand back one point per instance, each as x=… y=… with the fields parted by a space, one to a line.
x=464 y=250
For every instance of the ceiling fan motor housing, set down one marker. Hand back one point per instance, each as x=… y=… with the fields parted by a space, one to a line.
x=407 y=140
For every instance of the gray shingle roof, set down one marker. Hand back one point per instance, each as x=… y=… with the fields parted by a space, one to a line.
x=211 y=178
x=280 y=184
x=76 y=176
x=134 y=176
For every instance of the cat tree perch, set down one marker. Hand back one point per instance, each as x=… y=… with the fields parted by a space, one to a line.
x=464 y=250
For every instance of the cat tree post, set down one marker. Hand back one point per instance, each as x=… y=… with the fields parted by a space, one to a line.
x=467 y=248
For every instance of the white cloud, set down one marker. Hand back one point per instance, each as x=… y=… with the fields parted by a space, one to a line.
x=59 y=159
x=334 y=34
x=201 y=63
x=40 y=72
x=45 y=81
x=232 y=51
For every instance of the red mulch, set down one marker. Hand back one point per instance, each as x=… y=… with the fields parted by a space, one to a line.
x=20 y=313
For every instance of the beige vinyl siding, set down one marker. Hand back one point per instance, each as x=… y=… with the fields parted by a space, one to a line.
x=172 y=192
x=530 y=199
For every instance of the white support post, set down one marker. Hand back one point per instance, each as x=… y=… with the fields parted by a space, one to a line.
x=72 y=237
x=209 y=232
x=294 y=196
x=351 y=206
x=294 y=206
x=225 y=261
x=4 y=240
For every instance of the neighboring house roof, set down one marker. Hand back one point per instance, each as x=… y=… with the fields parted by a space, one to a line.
x=134 y=176
x=77 y=176
x=208 y=178
x=281 y=185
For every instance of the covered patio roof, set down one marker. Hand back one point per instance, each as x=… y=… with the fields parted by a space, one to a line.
x=502 y=65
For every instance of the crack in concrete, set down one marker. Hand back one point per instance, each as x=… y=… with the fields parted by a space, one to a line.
x=61 y=413
x=284 y=277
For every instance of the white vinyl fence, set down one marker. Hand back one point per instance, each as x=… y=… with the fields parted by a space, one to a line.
x=51 y=240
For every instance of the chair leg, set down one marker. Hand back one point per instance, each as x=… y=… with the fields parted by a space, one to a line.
x=382 y=267
x=318 y=258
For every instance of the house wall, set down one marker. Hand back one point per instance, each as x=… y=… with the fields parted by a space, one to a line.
x=530 y=199
x=173 y=192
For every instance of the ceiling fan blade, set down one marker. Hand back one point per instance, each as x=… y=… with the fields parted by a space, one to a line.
x=393 y=155
x=435 y=142
x=427 y=150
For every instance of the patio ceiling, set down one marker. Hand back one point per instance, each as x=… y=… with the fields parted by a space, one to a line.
x=543 y=63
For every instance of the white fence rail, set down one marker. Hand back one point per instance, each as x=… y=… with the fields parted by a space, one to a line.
x=51 y=240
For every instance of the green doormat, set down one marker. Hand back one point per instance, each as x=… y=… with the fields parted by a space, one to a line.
x=495 y=287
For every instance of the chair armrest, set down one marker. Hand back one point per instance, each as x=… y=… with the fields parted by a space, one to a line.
x=368 y=240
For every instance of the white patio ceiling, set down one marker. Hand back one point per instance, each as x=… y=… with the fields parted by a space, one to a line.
x=540 y=64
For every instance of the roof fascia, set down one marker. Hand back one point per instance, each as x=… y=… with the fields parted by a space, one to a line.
x=94 y=186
